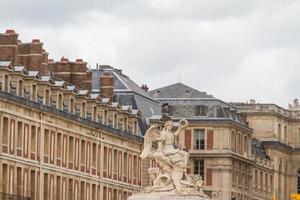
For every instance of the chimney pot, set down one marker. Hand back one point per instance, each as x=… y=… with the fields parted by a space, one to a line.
x=10 y=31
x=35 y=40
x=64 y=60
x=79 y=60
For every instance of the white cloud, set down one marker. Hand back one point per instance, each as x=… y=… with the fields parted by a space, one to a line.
x=232 y=49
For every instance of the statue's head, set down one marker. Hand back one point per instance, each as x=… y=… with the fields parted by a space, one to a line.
x=168 y=125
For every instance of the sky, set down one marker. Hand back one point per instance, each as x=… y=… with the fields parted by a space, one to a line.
x=235 y=50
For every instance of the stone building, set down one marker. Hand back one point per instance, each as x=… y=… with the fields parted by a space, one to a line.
x=220 y=143
x=278 y=129
x=58 y=141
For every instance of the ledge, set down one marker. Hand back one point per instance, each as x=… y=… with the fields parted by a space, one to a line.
x=66 y=115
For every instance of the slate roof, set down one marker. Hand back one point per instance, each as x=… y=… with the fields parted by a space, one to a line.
x=181 y=101
x=178 y=90
x=127 y=92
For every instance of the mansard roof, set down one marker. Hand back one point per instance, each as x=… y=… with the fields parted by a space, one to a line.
x=178 y=90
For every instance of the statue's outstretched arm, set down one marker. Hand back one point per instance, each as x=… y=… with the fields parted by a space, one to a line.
x=183 y=123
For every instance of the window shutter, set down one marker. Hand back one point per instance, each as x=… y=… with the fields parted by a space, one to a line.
x=210 y=139
x=188 y=139
x=208 y=177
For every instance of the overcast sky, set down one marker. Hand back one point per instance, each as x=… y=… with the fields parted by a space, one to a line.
x=233 y=49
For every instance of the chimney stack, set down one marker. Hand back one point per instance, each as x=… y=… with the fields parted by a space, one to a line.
x=106 y=86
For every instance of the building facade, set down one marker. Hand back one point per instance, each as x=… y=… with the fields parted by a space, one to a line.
x=220 y=144
x=279 y=131
x=61 y=142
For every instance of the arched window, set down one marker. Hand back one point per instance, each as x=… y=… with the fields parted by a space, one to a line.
x=298 y=182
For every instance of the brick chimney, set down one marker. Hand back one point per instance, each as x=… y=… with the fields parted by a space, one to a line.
x=106 y=85
x=9 y=45
x=145 y=88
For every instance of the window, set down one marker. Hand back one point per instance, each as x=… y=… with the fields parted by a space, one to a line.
x=46 y=144
x=19 y=135
x=71 y=149
x=279 y=131
x=104 y=193
x=33 y=93
x=115 y=194
x=82 y=191
x=95 y=113
x=83 y=110
x=82 y=152
x=4 y=178
x=105 y=117
x=115 y=120
x=33 y=139
x=47 y=98
x=20 y=90
x=115 y=161
x=46 y=187
x=125 y=124
x=19 y=180
x=201 y=110
x=94 y=155
x=32 y=181
x=135 y=166
x=125 y=164
x=233 y=146
x=298 y=182
x=5 y=131
x=105 y=158
x=199 y=143
x=6 y=80
x=70 y=189
x=135 y=128
x=285 y=134
x=72 y=105
x=58 y=145
x=199 y=168
x=58 y=185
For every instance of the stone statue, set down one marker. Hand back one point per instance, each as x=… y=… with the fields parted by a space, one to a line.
x=170 y=177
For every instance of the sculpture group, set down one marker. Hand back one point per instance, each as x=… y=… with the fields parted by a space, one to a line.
x=170 y=177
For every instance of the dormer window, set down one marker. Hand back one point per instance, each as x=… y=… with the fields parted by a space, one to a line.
x=33 y=97
x=83 y=110
x=47 y=97
x=72 y=105
x=20 y=89
x=201 y=110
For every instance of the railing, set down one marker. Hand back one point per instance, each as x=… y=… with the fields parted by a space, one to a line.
x=5 y=196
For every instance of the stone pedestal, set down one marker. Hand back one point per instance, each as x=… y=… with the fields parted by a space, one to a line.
x=162 y=196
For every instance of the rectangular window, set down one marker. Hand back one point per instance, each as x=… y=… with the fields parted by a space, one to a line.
x=115 y=161
x=46 y=142
x=5 y=131
x=19 y=135
x=115 y=194
x=4 y=178
x=33 y=139
x=135 y=167
x=19 y=180
x=94 y=155
x=70 y=189
x=32 y=181
x=201 y=110
x=105 y=158
x=199 y=139
x=71 y=149
x=104 y=193
x=58 y=145
x=82 y=191
x=199 y=167
x=279 y=131
x=58 y=190
x=82 y=156
x=46 y=186
x=125 y=170
x=93 y=192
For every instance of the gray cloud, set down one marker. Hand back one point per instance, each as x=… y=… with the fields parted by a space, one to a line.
x=235 y=50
